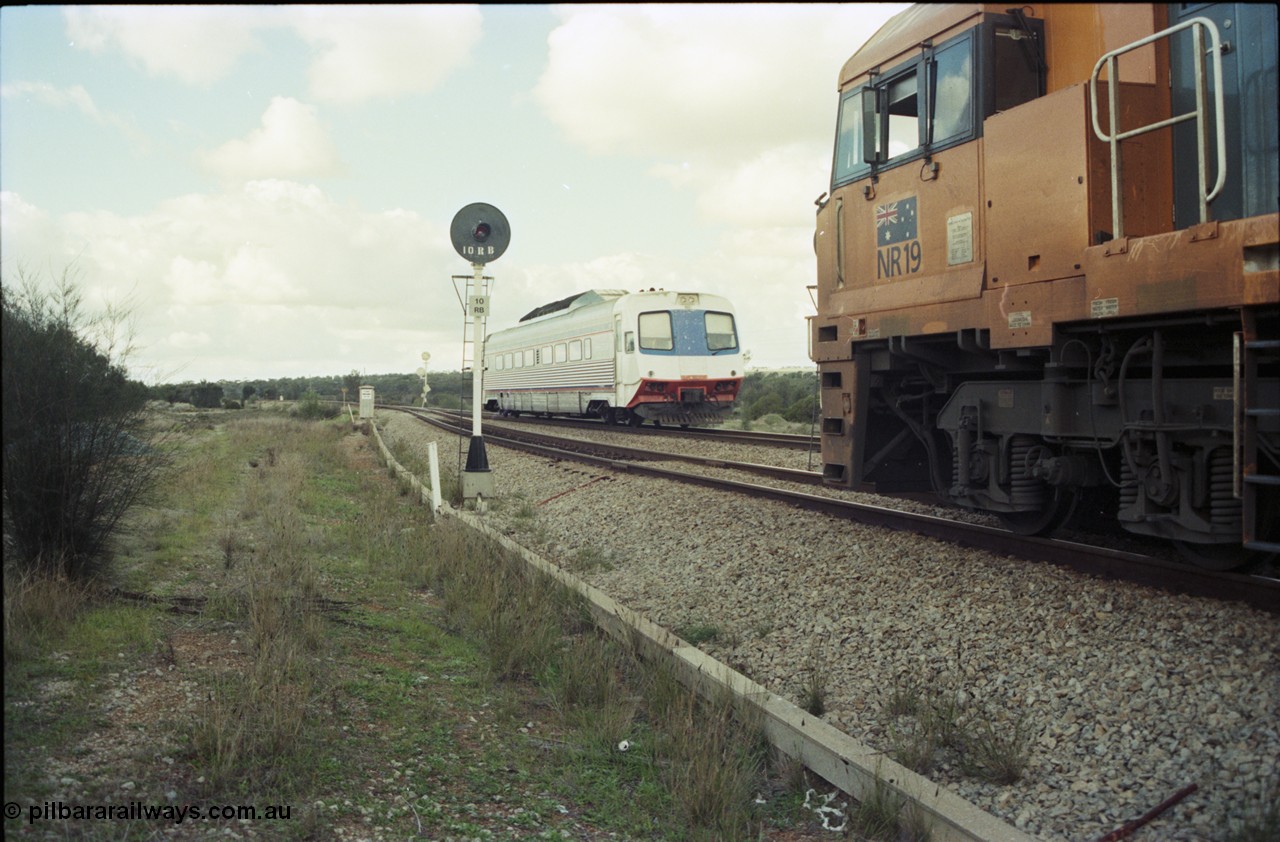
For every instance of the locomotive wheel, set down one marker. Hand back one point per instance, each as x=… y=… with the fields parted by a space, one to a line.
x=1046 y=520
x=1214 y=556
x=635 y=420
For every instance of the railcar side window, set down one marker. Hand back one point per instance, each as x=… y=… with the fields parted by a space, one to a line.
x=575 y=350
x=529 y=358
x=655 y=332
x=586 y=348
x=545 y=357
x=721 y=335
x=562 y=352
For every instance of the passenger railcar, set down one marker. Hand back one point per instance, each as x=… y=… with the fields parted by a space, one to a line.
x=1047 y=268
x=666 y=357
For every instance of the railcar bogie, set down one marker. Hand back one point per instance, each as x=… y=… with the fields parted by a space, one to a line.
x=1029 y=306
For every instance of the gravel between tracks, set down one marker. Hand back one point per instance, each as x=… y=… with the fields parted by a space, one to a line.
x=1126 y=694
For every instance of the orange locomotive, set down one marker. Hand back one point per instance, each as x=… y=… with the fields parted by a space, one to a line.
x=1049 y=271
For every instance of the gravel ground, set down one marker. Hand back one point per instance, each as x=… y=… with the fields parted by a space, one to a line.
x=1126 y=694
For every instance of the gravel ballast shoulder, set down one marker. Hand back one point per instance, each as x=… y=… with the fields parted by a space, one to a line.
x=1126 y=694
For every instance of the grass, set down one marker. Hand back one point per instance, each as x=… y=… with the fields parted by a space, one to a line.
x=346 y=657
x=930 y=723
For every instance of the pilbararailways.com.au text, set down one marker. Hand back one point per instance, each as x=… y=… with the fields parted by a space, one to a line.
x=138 y=811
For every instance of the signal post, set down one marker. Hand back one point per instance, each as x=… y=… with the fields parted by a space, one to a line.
x=480 y=234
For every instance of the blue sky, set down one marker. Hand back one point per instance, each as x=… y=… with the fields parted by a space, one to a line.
x=267 y=190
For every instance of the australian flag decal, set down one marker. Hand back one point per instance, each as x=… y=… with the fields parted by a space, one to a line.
x=896 y=222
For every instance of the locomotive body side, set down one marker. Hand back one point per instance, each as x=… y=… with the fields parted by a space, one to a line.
x=1010 y=321
x=667 y=357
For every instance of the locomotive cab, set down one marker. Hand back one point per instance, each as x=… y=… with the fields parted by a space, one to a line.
x=1048 y=272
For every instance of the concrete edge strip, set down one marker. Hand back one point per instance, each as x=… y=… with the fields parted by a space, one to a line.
x=851 y=766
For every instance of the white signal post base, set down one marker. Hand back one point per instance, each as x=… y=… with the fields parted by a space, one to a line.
x=477 y=479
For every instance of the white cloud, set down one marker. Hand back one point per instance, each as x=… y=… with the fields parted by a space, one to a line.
x=197 y=44
x=289 y=143
x=75 y=96
x=267 y=280
x=359 y=51
x=364 y=52
x=734 y=102
x=675 y=80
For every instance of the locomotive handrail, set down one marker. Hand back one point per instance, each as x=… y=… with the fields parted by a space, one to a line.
x=1113 y=137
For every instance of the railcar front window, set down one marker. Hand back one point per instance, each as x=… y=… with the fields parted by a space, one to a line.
x=655 y=332
x=721 y=334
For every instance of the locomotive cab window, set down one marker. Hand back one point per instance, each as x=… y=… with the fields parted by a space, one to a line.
x=903 y=124
x=1017 y=73
x=849 y=163
x=951 y=86
x=913 y=110
x=655 y=332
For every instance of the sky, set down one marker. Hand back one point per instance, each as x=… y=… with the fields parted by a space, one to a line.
x=267 y=191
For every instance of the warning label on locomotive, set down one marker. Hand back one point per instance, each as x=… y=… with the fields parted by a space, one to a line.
x=1020 y=319
x=1101 y=308
x=960 y=239
x=898 y=250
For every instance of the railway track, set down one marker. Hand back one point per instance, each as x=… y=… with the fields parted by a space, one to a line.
x=1258 y=591
x=791 y=441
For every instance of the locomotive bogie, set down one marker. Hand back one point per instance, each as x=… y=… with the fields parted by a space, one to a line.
x=1018 y=317
x=665 y=357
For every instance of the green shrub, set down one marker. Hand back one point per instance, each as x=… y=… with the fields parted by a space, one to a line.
x=77 y=456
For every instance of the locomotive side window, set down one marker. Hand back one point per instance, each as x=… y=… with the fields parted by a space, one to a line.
x=655 y=332
x=529 y=358
x=545 y=356
x=575 y=350
x=849 y=163
x=721 y=335
x=562 y=352
x=586 y=348
x=1016 y=73
x=952 y=81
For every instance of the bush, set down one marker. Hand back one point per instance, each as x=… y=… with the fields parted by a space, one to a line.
x=309 y=408
x=76 y=457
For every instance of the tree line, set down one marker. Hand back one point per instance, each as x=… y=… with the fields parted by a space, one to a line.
x=790 y=394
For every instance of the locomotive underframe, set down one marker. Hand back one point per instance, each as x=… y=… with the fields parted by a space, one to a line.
x=1139 y=413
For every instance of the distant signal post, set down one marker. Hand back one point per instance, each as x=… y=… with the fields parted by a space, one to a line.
x=480 y=234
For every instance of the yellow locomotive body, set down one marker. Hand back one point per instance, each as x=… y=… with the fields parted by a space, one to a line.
x=1036 y=309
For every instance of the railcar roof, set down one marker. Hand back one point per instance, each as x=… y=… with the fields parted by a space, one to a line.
x=904 y=31
x=578 y=299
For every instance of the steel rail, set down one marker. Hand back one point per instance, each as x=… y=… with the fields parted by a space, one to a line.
x=1105 y=562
